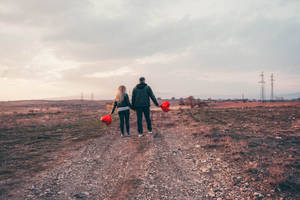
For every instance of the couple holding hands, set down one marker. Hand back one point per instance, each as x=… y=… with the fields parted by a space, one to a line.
x=141 y=95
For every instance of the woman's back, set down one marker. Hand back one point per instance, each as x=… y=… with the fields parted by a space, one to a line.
x=125 y=102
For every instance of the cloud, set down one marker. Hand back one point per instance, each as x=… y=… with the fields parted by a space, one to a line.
x=123 y=71
x=181 y=46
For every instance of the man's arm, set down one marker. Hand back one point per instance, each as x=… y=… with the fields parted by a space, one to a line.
x=152 y=96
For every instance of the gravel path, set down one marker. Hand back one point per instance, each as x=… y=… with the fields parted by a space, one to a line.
x=170 y=164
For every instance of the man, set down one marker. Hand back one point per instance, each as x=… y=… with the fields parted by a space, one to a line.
x=141 y=95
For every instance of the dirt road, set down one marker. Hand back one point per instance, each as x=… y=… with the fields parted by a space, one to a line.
x=169 y=164
x=212 y=153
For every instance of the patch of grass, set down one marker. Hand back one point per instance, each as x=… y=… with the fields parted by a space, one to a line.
x=28 y=141
x=256 y=139
x=213 y=146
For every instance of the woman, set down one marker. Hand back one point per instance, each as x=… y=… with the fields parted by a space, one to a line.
x=123 y=104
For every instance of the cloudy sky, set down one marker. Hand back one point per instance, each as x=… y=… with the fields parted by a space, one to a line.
x=211 y=48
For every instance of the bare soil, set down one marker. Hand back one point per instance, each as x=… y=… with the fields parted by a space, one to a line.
x=233 y=150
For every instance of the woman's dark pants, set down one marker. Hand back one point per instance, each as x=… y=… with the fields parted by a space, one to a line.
x=124 y=117
x=139 y=114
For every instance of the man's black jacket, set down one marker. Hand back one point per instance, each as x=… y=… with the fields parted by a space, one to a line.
x=141 y=95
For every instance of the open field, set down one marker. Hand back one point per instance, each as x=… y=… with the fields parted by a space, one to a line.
x=263 y=141
x=230 y=150
x=38 y=134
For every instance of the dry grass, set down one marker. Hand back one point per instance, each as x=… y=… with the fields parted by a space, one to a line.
x=264 y=141
x=35 y=140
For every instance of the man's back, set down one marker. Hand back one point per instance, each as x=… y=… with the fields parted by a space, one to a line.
x=141 y=96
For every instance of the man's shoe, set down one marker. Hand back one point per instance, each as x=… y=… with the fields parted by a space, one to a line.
x=122 y=136
x=141 y=135
x=128 y=135
x=150 y=132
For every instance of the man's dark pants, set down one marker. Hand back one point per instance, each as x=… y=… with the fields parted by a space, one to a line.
x=139 y=114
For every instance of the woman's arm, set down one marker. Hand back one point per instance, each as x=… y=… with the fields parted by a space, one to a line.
x=128 y=102
x=113 y=110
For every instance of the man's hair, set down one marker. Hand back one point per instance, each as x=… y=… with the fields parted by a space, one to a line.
x=142 y=80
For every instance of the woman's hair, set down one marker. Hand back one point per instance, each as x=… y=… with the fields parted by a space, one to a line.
x=120 y=93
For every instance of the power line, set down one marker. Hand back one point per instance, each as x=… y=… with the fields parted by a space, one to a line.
x=272 y=87
x=92 y=96
x=262 y=91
